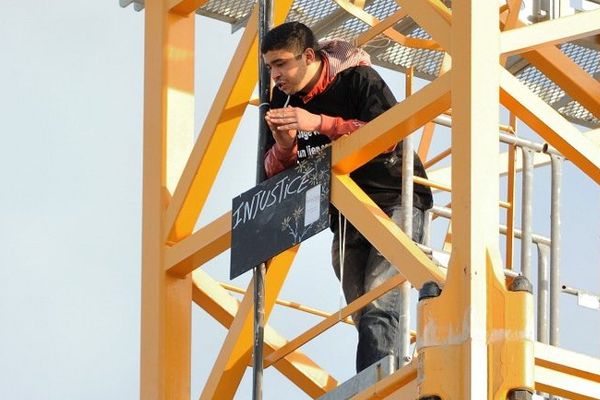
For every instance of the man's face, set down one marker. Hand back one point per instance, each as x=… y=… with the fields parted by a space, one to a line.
x=288 y=69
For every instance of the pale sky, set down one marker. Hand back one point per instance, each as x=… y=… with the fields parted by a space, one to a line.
x=70 y=217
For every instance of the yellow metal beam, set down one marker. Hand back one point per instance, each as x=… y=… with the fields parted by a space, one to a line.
x=333 y=319
x=475 y=41
x=555 y=130
x=224 y=117
x=426 y=139
x=437 y=158
x=406 y=392
x=404 y=378
x=386 y=29
x=209 y=150
x=382 y=232
x=551 y=32
x=202 y=246
x=300 y=369
x=432 y=16
x=168 y=108
x=382 y=26
x=350 y=152
x=467 y=347
x=560 y=68
x=568 y=362
x=566 y=73
x=185 y=7
x=558 y=383
x=236 y=351
x=513 y=7
x=292 y=304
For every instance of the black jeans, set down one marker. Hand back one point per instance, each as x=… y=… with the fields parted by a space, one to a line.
x=365 y=269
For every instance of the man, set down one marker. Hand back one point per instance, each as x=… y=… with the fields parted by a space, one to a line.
x=322 y=93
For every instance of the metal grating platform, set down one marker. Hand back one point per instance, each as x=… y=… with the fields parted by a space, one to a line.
x=329 y=20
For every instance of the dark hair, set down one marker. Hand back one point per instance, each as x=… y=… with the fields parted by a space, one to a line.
x=293 y=36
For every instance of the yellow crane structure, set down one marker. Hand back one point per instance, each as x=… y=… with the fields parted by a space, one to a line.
x=476 y=339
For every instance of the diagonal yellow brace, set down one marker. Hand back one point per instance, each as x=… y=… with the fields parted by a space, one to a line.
x=217 y=132
x=566 y=73
x=333 y=319
x=202 y=246
x=393 y=34
x=384 y=26
x=383 y=233
x=300 y=369
x=549 y=124
x=432 y=16
x=404 y=378
x=352 y=151
x=236 y=351
x=550 y=32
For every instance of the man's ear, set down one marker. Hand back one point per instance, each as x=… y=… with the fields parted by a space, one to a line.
x=310 y=55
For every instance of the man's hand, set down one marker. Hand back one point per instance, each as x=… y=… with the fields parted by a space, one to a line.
x=288 y=118
x=285 y=138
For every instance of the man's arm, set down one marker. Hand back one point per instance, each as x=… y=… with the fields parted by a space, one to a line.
x=296 y=118
x=335 y=127
x=278 y=159
x=286 y=121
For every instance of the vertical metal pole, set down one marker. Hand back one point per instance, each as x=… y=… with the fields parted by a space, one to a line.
x=542 y=306
x=555 y=286
x=427 y=228
x=542 y=297
x=526 y=212
x=259 y=324
x=536 y=10
x=265 y=21
x=406 y=203
x=510 y=197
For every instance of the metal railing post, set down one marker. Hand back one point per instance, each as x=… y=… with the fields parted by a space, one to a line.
x=404 y=355
x=555 y=286
x=427 y=228
x=542 y=295
x=265 y=21
x=526 y=210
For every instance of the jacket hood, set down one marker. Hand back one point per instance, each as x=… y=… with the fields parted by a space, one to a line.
x=343 y=55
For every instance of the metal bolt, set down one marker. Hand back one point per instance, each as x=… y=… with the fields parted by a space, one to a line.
x=521 y=284
x=520 y=394
x=430 y=289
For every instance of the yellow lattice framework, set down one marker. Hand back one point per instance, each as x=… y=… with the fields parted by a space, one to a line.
x=468 y=347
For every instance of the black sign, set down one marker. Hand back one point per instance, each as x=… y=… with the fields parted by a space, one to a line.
x=280 y=212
